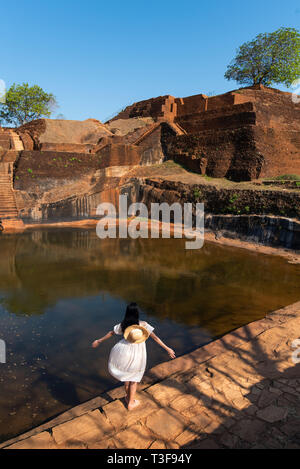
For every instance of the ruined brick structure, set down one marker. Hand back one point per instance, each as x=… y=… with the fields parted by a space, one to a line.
x=63 y=169
x=241 y=135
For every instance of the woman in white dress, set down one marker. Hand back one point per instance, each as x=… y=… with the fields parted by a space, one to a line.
x=127 y=359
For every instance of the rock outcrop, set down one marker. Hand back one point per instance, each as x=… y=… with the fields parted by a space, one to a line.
x=261 y=216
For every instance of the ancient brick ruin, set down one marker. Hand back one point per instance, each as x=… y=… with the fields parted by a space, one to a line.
x=241 y=135
x=63 y=169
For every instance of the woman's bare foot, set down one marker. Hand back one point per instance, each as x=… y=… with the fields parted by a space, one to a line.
x=133 y=405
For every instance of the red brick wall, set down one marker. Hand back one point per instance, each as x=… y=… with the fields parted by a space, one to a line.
x=119 y=155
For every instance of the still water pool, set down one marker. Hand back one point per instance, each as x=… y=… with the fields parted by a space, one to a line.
x=59 y=290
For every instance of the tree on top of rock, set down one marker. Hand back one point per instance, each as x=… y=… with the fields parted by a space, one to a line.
x=24 y=103
x=269 y=58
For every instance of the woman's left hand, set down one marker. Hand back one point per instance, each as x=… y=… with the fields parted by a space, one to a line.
x=171 y=353
x=95 y=343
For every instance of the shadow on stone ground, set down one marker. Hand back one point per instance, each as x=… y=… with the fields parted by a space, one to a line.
x=240 y=391
x=248 y=397
x=265 y=414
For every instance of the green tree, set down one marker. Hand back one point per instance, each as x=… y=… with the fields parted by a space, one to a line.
x=24 y=103
x=269 y=58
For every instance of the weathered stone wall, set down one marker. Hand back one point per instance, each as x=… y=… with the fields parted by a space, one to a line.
x=33 y=166
x=162 y=106
x=229 y=153
x=216 y=119
x=191 y=105
x=262 y=229
x=119 y=155
x=241 y=135
x=151 y=149
x=221 y=201
x=245 y=142
x=5 y=140
x=53 y=185
x=266 y=217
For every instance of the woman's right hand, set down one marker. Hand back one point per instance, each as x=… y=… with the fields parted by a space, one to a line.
x=95 y=343
x=171 y=353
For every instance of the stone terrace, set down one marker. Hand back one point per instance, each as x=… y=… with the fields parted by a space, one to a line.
x=240 y=391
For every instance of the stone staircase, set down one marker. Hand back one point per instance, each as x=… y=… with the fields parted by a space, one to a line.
x=16 y=141
x=9 y=215
x=5 y=140
x=10 y=140
x=8 y=208
x=147 y=133
x=177 y=128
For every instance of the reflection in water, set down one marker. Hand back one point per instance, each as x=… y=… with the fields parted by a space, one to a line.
x=59 y=290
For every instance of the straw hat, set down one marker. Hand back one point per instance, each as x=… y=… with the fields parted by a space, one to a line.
x=136 y=334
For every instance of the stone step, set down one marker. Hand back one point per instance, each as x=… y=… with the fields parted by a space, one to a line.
x=8 y=210
x=17 y=142
x=8 y=213
x=147 y=133
x=8 y=207
x=13 y=225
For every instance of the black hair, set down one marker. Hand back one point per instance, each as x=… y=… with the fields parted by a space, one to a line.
x=131 y=316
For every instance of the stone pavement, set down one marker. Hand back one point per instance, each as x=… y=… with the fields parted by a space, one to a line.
x=240 y=391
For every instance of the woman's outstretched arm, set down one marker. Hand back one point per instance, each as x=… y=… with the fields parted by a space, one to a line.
x=105 y=337
x=170 y=351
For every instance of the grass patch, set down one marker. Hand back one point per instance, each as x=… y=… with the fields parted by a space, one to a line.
x=197 y=193
x=287 y=177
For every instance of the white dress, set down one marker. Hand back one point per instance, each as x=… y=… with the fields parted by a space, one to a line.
x=127 y=362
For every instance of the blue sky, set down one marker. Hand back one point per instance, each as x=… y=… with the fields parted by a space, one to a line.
x=97 y=56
